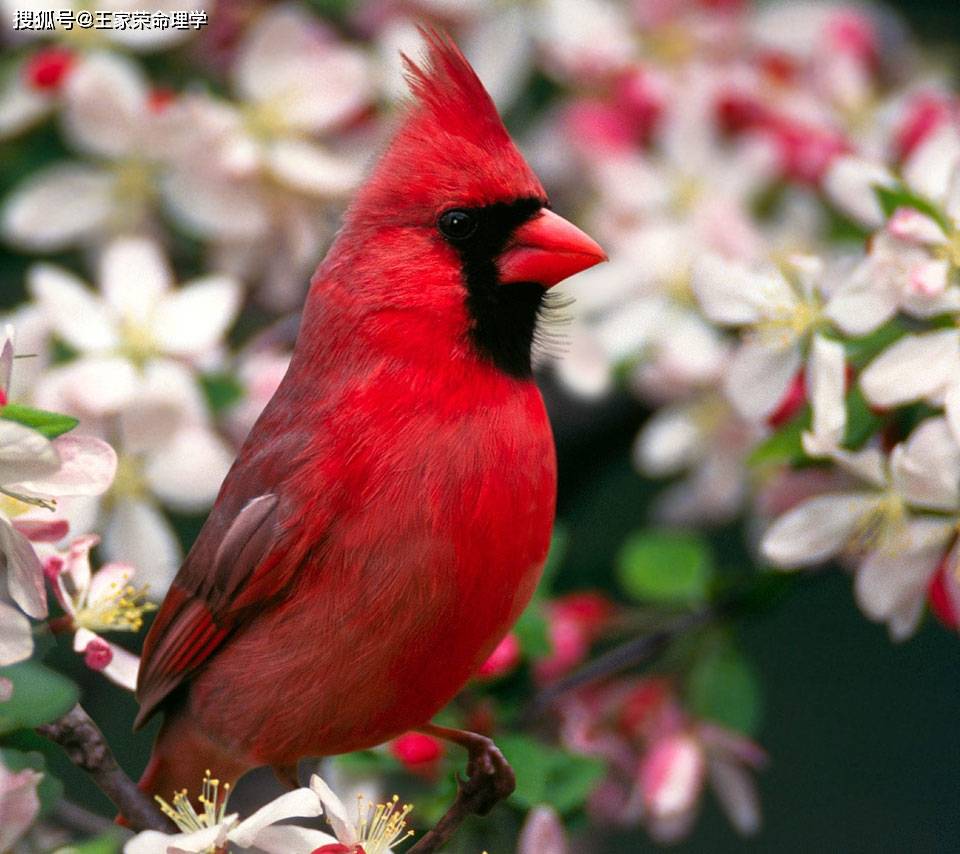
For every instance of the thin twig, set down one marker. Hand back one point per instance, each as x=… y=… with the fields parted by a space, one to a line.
x=466 y=804
x=71 y=816
x=634 y=653
x=83 y=742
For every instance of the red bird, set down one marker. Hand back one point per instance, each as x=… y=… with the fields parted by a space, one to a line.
x=387 y=519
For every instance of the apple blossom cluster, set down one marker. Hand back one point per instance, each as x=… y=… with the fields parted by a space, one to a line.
x=779 y=189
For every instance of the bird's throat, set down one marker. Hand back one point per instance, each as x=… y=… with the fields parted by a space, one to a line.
x=503 y=322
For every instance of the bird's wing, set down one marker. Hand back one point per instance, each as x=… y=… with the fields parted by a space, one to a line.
x=208 y=599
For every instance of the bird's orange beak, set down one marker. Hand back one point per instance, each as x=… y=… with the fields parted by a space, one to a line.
x=546 y=250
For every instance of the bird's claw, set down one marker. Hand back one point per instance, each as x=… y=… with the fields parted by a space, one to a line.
x=490 y=779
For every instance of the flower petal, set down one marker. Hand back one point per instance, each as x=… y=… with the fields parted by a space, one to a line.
x=25 y=454
x=213 y=207
x=737 y=792
x=105 y=105
x=20 y=105
x=134 y=274
x=19 y=804
x=187 y=471
x=289 y=839
x=92 y=385
x=310 y=169
x=16 y=635
x=87 y=467
x=731 y=294
x=58 y=207
x=123 y=669
x=911 y=225
x=952 y=405
x=850 y=183
x=668 y=442
x=335 y=812
x=890 y=577
x=916 y=367
x=758 y=378
x=929 y=169
x=288 y=62
x=24 y=572
x=542 y=833
x=926 y=468
x=77 y=316
x=139 y=533
x=108 y=581
x=299 y=802
x=6 y=360
x=826 y=385
x=192 y=320
x=154 y=842
x=816 y=529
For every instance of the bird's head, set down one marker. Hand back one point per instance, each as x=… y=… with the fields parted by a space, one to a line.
x=459 y=217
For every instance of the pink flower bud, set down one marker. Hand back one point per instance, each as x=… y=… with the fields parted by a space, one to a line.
x=52 y=567
x=650 y=709
x=503 y=659
x=48 y=68
x=943 y=594
x=338 y=848
x=925 y=113
x=574 y=623
x=416 y=751
x=791 y=403
x=98 y=654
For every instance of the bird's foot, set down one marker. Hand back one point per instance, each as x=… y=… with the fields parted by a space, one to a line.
x=490 y=779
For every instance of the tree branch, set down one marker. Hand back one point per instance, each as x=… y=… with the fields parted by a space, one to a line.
x=83 y=742
x=634 y=653
x=467 y=803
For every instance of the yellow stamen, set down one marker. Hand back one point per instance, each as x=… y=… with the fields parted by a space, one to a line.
x=129 y=482
x=882 y=527
x=121 y=611
x=382 y=826
x=950 y=251
x=11 y=506
x=788 y=324
x=212 y=800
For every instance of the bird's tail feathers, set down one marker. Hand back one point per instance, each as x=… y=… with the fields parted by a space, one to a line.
x=182 y=757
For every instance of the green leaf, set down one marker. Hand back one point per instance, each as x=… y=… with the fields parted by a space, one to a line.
x=49 y=789
x=862 y=423
x=39 y=695
x=558 y=551
x=665 y=566
x=50 y=424
x=723 y=687
x=785 y=446
x=531 y=631
x=221 y=390
x=108 y=843
x=531 y=761
x=548 y=775
x=891 y=198
x=572 y=781
x=860 y=351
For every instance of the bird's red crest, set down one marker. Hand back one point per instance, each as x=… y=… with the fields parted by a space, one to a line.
x=451 y=148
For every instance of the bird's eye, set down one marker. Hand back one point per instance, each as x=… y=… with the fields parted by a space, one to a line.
x=457 y=224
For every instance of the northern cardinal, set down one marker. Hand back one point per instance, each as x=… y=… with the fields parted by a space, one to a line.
x=387 y=519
